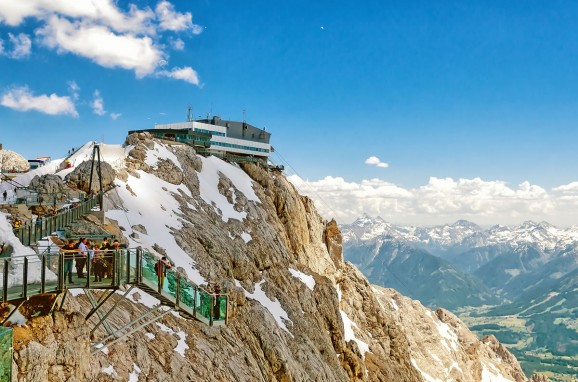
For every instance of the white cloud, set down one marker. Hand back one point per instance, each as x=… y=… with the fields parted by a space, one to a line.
x=177 y=44
x=22 y=99
x=1 y=47
x=171 y=20
x=97 y=104
x=186 y=74
x=115 y=116
x=104 y=12
x=101 y=45
x=21 y=45
x=374 y=161
x=441 y=200
x=103 y=32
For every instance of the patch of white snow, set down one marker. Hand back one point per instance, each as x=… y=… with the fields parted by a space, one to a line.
x=305 y=279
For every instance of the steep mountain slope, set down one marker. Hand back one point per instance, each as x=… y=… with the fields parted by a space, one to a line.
x=298 y=312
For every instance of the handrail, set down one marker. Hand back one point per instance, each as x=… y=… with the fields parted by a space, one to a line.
x=133 y=266
x=30 y=233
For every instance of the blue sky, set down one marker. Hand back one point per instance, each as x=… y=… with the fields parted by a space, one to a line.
x=434 y=89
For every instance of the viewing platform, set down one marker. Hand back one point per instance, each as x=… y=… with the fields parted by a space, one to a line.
x=26 y=276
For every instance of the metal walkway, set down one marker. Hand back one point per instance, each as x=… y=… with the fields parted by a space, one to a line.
x=26 y=276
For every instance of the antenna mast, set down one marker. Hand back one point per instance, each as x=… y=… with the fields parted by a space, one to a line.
x=190 y=114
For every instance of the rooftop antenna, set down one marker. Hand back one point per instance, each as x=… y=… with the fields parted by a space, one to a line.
x=190 y=114
x=244 y=116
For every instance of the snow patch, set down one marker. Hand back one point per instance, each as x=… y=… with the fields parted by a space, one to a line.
x=160 y=151
x=274 y=307
x=181 y=343
x=157 y=210
x=489 y=376
x=305 y=279
x=349 y=334
x=246 y=237
x=109 y=370
x=133 y=376
x=394 y=304
x=209 y=182
x=425 y=375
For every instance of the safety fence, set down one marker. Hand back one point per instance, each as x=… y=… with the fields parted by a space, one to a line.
x=25 y=276
x=32 y=231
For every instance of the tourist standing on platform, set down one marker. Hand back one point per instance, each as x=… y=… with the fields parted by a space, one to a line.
x=98 y=264
x=106 y=248
x=81 y=258
x=5 y=194
x=217 y=306
x=69 y=250
x=161 y=270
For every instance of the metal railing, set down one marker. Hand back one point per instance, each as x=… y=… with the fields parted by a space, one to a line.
x=32 y=231
x=25 y=276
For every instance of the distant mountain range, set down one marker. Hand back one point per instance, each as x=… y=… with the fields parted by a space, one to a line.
x=527 y=274
x=482 y=266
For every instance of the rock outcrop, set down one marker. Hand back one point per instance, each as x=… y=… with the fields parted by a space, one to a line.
x=297 y=312
x=79 y=178
x=12 y=161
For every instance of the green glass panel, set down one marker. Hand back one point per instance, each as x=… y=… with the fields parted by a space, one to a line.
x=204 y=305
x=187 y=295
x=5 y=354
x=170 y=285
x=221 y=301
x=149 y=276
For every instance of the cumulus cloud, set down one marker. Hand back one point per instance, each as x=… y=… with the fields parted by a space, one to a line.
x=103 y=32
x=186 y=74
x=171 y=20
x=101 y=45
x=22 y=99
x=97 y=104
x=104 y=12
x=374 y=161
x=441 y=200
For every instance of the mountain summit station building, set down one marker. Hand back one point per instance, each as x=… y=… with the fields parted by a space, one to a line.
x=232 y=140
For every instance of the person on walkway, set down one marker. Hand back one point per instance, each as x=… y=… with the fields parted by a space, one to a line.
x=161 y=270
x=5 y=194
x=217 y=306
x=81 y=258
x=98 y=263
x=69 y=250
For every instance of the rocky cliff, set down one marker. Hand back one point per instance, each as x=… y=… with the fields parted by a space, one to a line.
x=298 y=311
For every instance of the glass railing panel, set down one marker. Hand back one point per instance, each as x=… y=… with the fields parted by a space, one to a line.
x=133 y=271
x=204 y=307
x=5 y=354
x=149 y=276
x=169 y=287
x=220 y=311
x=187 y=295
x=15 y=277
x=51 y=281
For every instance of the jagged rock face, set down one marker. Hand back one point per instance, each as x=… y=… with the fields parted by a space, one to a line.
x=80 y=177
x=10 y=160
x=53 y=345
x=443 y=348
x=328 y=323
